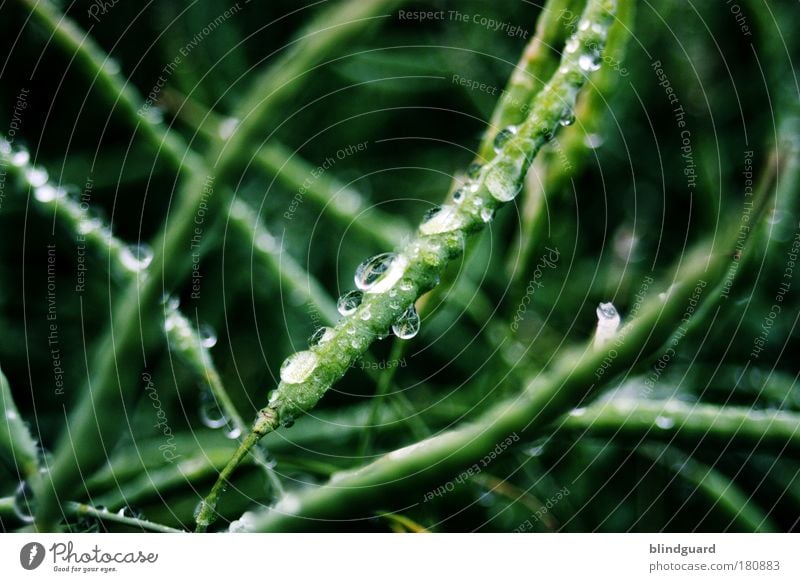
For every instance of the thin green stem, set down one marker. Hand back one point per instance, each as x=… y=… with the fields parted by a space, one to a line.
x=537 y=65
x=674 y=421
x=16 y=443
x=341 y=202
x=569 y=153
x=116 y=89
x=206 y=511
x=185 y=339
x=82 y=510
x=725 y=495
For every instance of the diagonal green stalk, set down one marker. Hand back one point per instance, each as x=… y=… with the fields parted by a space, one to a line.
x=573 y=380
x=726 y=496
x=82 y=510
x=131 y=332
x=266 y=422
x=673 y=421
x=550 y=175
x=537 y=65
x=116 y=89
x=267 y=247
x=306 y=376
x=341 y=202
x=185 y=340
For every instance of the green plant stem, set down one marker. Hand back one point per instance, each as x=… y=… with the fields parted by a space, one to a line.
x=573 y=379
x=342 y=202
x=538 y=62
x=725 y=495
x=286 y=270
x=115 y=88
x=537 y=65
x=16 y=443
x=206 y=511
x=131 y=332
x=82 y=510
x=184 y=338
x=550 y=174
x=674 y=421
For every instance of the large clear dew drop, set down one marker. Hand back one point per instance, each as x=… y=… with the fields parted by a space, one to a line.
x=349 y=302
x=502 y=180
x=298 y=367
x=407 y=325
x=379 y=273
x=442 y=219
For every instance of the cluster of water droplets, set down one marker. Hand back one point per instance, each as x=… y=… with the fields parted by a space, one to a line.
x=383 y=273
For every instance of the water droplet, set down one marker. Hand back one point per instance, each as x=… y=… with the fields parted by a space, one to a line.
x=321 y=336
x=298 y=367
x=607 y=312
x=211 y=413
x=608 y=321
x=380 y=273
x=232 y=430
x=589 y=62
x=407 y=325
x=366 y=315
x=474 y=170
x=593 y=140
x=89 y=225
x=198 y=509
x=171 y=302
x=486 y=214
x=36 y=177
x=503 y=136
x=111 y=67
x=130 y=512
x=243 y=524
x=406 y=285
x=572 y=45
x=287 y=421
x=349 y=302
x=20 y=158
x=136 y=257
x=567 y=119
x=227 y=127
x=207 y=335
x=664 y=422
x=503 y=179
x=24 y=507
x=47 y=193
x=443 y=219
